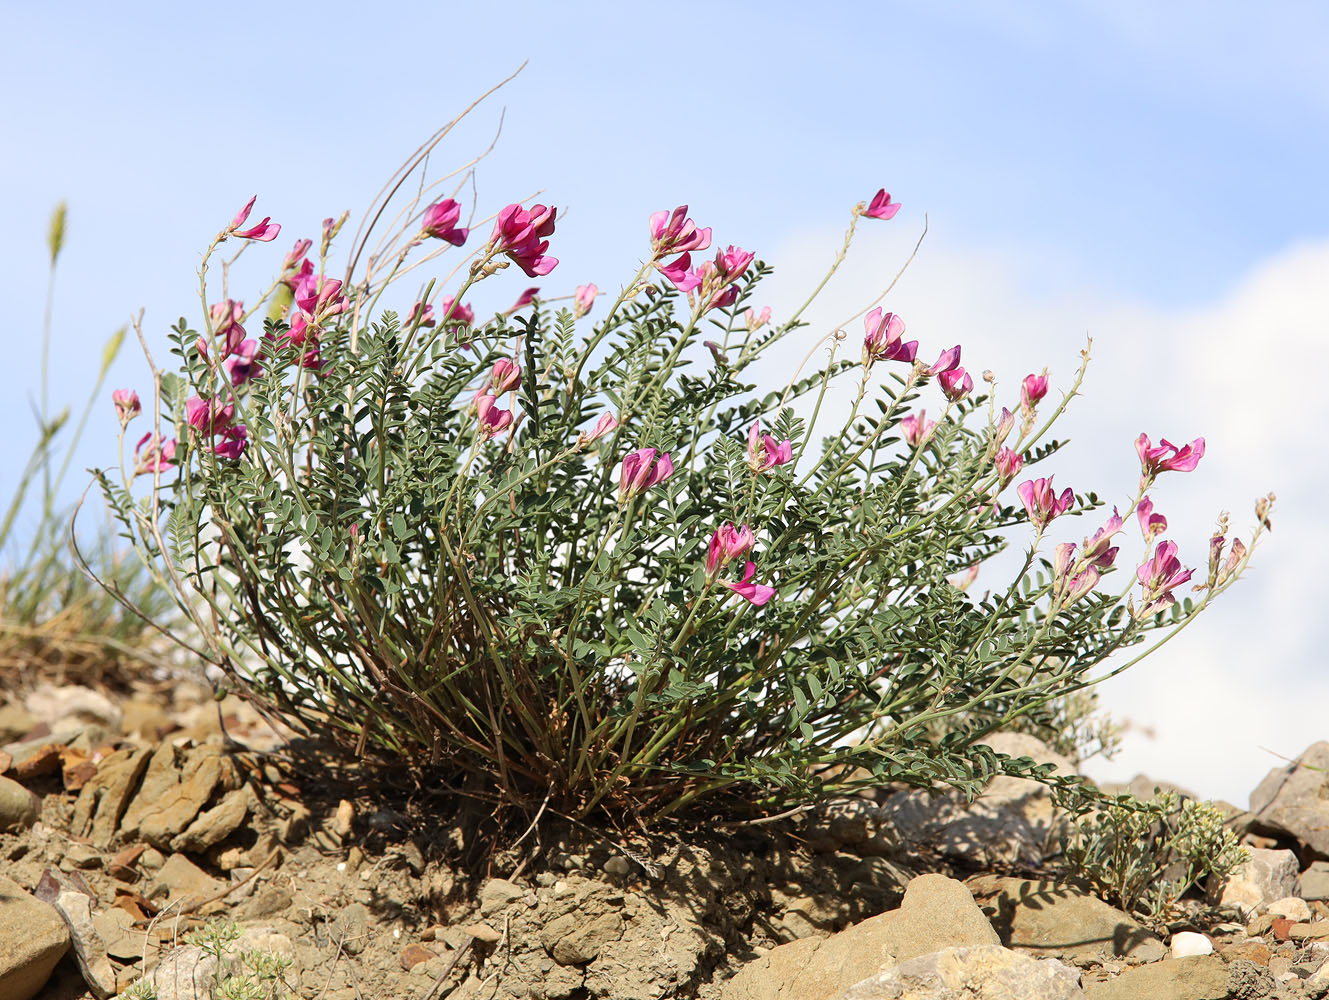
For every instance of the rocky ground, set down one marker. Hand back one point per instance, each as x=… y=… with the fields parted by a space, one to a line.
x=128 y=825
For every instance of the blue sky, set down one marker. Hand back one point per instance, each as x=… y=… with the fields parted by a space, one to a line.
x=1153 y=174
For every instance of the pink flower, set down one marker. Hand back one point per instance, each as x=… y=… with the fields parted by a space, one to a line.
x=1154 y=460
x=127 y=405
x=917 y=428
x=440 y=222
x=641 y=471
x=757 y=320
x=948 y=361
x=234 y=440
x=1003 y=428
x=583 y=299
x=1072 y=588
x=505 y=375
x=264 y=232
x=208 y=417
x=881 y=206
x=678 y=272
x=420 y=316
x=1159 y=575
x=753 y=593
x=521 y=234
x=1041 y=502
x=881 y=339
x=455 y=314
x=603 y=426
x=1009 y=463
x=226 y=329
x=493 y=419
x=676 y=233
x=523 y=300
x=956 y=384
x=244 y=366
x=723 y=299
x=297 y=254
x=1096 y=547
x=1034 y=388
x=1151 y=525
x=764 y=453
x=158 y=457
x=727 y=543
x=731 y=263
x=321 y=298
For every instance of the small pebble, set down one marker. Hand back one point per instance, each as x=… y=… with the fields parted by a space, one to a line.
x=1188 y=943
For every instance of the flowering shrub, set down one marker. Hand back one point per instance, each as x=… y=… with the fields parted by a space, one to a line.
x=580 y=561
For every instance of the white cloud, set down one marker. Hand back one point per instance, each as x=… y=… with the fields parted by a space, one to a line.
x=1241 y=372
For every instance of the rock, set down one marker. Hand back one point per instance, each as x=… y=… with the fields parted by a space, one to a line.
x=1317 y=930
x=214 y=825
x=936 y=912
x=271 y=901
x=1293 y=907
x=102 y=801
x=813 y=916
x=496 y=894
x=1262 y=878
x=1249 y=981
x=572 y=940
x=152 y=859
x=1049 y=918
x=351 y=928
x=72 y=703
x=123 y=942
x=80 y=856
x=183 y=974
x=481 y=932
x=1186 y=944
x=413 y=954
x=181 y=879
x=1011 y=822
x=33 y=937
x=1293 y=800
x=89 y=950
x=985 y=972
x=1201 y=978
x=15 y=723
x=167 y=816
x=264 y=939
x=617 y=865
x=19 y=808
x=1315 y=881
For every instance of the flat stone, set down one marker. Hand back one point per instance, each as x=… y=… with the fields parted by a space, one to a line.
x=33 y=937
x=19 y=808
x=1294 y=908
x=181 y=879
x=985 y=972
x=102 y=801
x=1047 y=918
x=214 y=825
x=159 y=775
x=1315 y=881
x=1293 y=800
x=1201 y=978
x=81 y=856
x=351 y=928
x=268 y=902
x=496 y=894
x=936 y=913
x=89 y=951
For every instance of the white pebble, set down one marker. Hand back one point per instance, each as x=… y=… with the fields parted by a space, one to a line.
x=1294 y=908
x=341 y=866
x=1188 y=943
